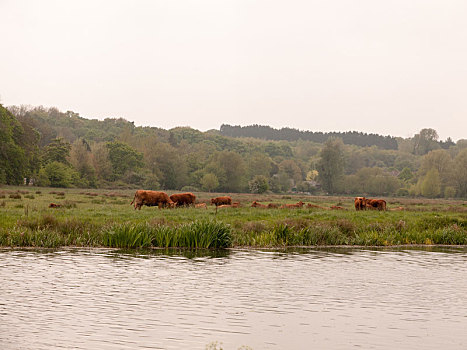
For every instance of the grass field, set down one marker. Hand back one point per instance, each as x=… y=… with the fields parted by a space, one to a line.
x=106 y=218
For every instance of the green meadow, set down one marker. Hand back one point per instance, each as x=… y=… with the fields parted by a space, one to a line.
x=105 y=218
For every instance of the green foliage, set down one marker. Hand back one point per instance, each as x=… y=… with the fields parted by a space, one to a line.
x=431 y=184
x=116 y=153
x=425 y=141
x=331 y=164
x=58 y=150
x=405 y=175
x=209 y=182
x=123 y=158
x=13 y=161
x=259 y=184
x=58 y=174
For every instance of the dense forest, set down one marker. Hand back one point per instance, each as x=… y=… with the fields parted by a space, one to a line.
x=288 y=134
x=47 y=147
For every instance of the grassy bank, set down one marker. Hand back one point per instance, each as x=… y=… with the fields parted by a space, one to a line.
x=105 y=218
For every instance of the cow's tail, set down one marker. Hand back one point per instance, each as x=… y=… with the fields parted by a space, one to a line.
x=134 y=198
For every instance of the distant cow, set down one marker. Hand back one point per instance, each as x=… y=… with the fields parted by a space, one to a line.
x=53 y=205
x=256 y=204
x=360 y=203
x=152 y=199
x=226 y=200
x=273 y=206
x=182 y=199
x=376 y=204
x=292 y=206
x=336 y=207
x=201 y=205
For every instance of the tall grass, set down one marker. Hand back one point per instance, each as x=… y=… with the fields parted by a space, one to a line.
x=197 y=234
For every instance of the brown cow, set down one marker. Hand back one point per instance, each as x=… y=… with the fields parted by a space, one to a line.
x=360 y=203
x=182 y=199
x=201 y=205
x=292 y=206
x=53 y=205
x=376 y=204
x=309 y=205
x=235 y=204
x=336 y=207
x=151 y=199
x=226 y=200
x=273 y=206
x=256 y=204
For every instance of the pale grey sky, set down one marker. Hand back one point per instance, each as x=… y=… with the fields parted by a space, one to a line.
x=388 y=67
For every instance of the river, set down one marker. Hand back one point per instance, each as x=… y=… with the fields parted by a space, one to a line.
x=298 y=299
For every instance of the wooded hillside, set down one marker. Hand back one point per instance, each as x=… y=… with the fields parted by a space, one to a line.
x=62 y=149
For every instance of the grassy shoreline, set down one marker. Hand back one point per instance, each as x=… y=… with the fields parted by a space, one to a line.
x=98 y=218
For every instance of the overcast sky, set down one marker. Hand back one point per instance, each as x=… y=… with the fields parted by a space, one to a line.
x=387 y=67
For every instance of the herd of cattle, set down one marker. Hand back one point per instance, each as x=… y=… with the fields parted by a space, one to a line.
x=162 y=199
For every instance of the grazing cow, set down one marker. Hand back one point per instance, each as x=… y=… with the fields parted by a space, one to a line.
x=273 y=206
x=53 y=205
x=376 y=204
x=152 y=199
x=292 y=206
x=360 y=203
x=226 y=200
x=255 y=204
x=182 y=199
x=201 y=205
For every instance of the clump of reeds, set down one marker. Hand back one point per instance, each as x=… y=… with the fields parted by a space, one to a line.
x=197 y=234
x=128 y=236
x=15 y=196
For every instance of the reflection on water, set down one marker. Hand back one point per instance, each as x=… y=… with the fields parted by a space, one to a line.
x=295 y=299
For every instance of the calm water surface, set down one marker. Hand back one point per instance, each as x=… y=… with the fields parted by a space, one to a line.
x=308 y=299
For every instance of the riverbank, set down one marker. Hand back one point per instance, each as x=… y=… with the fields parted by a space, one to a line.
x=105 y=219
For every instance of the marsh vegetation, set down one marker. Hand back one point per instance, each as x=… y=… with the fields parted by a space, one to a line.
x=106 y=218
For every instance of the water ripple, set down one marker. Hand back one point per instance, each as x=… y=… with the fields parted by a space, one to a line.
x=322 y=298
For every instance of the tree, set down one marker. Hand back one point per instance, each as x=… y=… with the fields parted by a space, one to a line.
x=123 y=158
x=259 y=184
x=58 y=150
x=59 y=174
x=209 y=182
x=13 y=161
x=80 y=158
x=425 y=141
x=101 y=162
x=431 y=184
x=229 y=168
x=405 y=175
x=331 y=164
x=460 y=173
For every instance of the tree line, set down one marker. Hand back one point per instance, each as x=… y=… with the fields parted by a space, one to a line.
x=61 y=149
x=267 y=133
